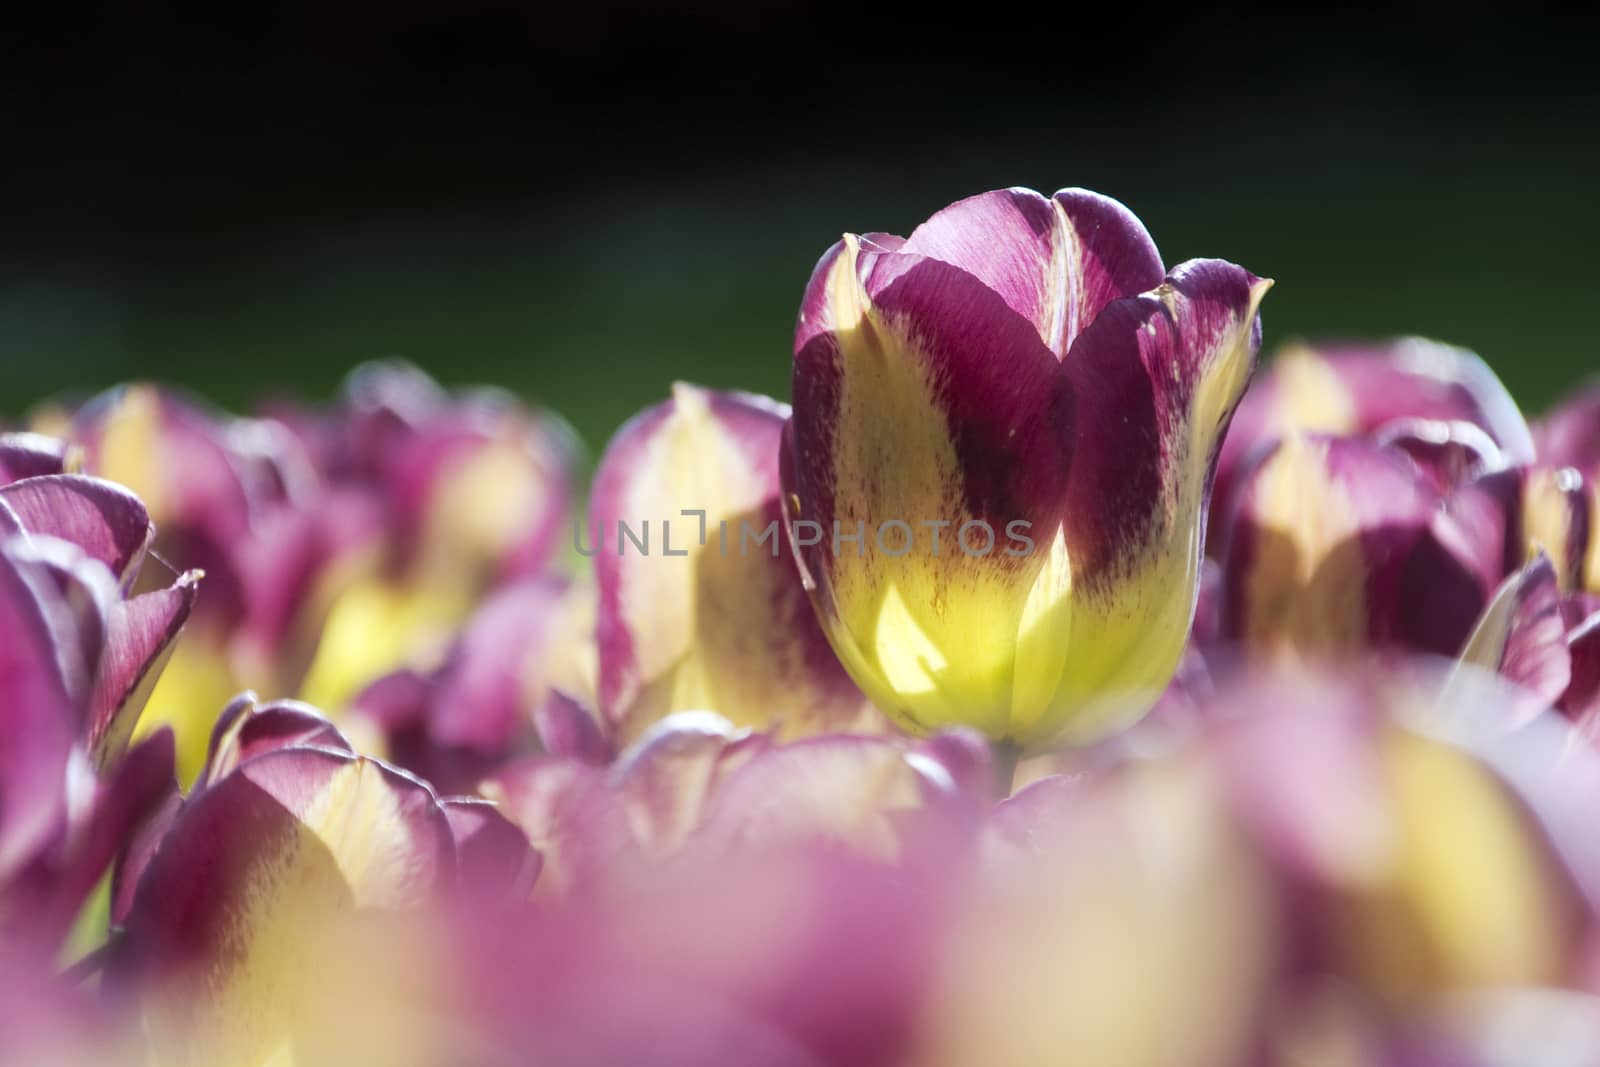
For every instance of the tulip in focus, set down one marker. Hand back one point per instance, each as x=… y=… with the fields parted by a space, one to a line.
x=1021 y=379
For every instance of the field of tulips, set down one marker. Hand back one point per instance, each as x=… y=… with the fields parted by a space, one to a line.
x=1051 y=684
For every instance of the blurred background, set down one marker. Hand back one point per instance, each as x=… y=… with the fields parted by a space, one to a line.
x=584 y=202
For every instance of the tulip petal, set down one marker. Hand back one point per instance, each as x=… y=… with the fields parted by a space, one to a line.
x=246 y=730
x=102 y=518
x=1350 y=389
x=483 y=695
x=927 y=402
x=133 y=792
x=253 y=874
x=1453 y=453
x=37 y=716
x=491 y=853
x=1569 y=434
x=838 y=789
x=30 y=455
x=706 y=616
x=567 y=730
x=1319 y=545
x=1055 y=261
x=1581 y=701
x=1522 y=635
x=140 y=634
x=1155 y=380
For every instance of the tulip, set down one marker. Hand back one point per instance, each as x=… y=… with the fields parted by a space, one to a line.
x=710 y=614
x=1353 y=389
x=244 y=931
x=1335 y=545
x=80 y=657
x=1020 y=379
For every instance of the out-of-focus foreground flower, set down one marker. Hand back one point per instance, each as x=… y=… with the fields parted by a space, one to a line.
x=78 y=656
x=1000 y=457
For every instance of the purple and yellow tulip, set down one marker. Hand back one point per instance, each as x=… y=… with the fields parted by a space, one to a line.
x=244 y=920
x=79 y=658
x=1347 y=390
x=1022 y=380
x=711 y=615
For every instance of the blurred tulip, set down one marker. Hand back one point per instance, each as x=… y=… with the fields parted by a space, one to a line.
x=1020 y=377
x=1335 y=545
x=1331 y=864
x=485 y=705
x=339 y=545
x=1357 y=389
x=472 y=490
x=79 y=658
x=244 y=932
x=711 y=614
x=696 y=783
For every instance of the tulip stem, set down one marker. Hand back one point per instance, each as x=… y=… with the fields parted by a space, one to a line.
x=1005 y=755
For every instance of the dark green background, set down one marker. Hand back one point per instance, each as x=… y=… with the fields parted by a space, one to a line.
x=586 y=210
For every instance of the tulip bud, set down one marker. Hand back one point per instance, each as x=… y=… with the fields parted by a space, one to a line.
x=998 y=465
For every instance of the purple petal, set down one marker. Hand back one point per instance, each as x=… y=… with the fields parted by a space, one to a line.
x=247 y=730
x=136 y=790
x=102 y=518
x=1452 y=453
x=1056 y=262
x=492 y=855
x=1320 y=543
x=1522 y=635
x=1569 y=434
x=30 y=455
x=568 y=730
x=1350 y=389
x=484 y=692
x=717 y=621
x=37 y=717
x=140 y=635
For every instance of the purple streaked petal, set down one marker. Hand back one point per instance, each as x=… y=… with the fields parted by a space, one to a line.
x=296 y=846
x=1581 y=701
x=839 y=789
x=1319 y=546
x=492 y=855
x=1357 y=389
x=484 y=691
x=928 y=400
x=1055 y=261
x=102 y=518
x=37 y=716
x=1522 y=635
x=30 y=455
x=568 y=730
x=140 y=635
x=707 y=617
x=1155 y=381
x=135 y=790
x=247 y=730
x=1453 y=453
